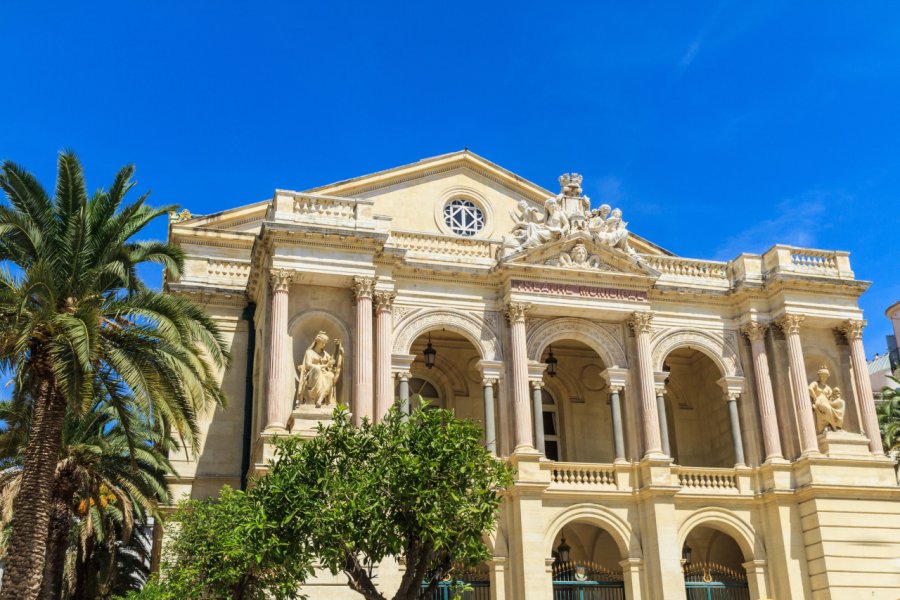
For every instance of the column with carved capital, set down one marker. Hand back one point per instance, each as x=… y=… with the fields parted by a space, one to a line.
x=362 y=355
x=490 y=428
x=516 y=313
x=756 y=333
x=615 y=405
x=790 y=324
x=641 y=324
x=403 y=384
x=277 y=402
x=537 y=402
x=660 y=381
x=853 y=329
x=737 y=441
x=384 y=326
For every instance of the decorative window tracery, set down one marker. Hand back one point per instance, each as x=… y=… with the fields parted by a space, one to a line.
x=463 y=217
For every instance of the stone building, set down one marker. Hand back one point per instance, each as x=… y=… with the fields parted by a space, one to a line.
x=679 y=425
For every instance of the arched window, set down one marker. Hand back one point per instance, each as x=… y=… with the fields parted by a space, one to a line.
x=551 y=426
x=420 y=391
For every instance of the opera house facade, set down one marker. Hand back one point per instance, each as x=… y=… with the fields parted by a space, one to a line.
x=682 y=428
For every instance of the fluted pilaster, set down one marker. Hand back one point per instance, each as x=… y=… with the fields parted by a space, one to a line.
x=384 y=326
x=516 y=313
x=640 y=322
x=362 y=356
x=756 y=333
x=790 y=324
x=278 y=400
x=852 y=330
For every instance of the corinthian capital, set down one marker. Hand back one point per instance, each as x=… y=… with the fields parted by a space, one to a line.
x=363 y=287
x=852 y=328
x=280 y=279
x=384 y=300
x=515 y=311
x=790 y=323
x=641 y=322
x=755 y=332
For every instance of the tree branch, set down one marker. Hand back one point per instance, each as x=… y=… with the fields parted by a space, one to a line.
x=358 y=578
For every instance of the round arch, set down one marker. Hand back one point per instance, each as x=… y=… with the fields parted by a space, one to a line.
x=601 y=341
x=598 y=516
x=728 y=523
x=473 y=328
x=320 y=315
x=715 y=347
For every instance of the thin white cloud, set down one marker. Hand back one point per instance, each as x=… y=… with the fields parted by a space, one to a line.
x=797 y=222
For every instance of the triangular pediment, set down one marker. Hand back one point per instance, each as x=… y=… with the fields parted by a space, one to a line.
x=579 y=252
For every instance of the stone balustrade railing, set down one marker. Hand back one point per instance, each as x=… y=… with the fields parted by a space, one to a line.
x=228 y=270
x=582 y=476
x=428 y=245
x=814 y=261
x=701 y=479
x=328 y=211
x=687 y=267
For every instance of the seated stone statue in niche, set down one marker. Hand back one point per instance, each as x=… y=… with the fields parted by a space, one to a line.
x=827 y=403
x=318 y=374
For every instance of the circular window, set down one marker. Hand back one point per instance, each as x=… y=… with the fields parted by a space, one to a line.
x=463 y=217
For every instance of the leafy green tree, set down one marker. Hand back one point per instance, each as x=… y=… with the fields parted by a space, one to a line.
x=75 y=317
x=421 y=489
x=888 y=411
x=221 y=548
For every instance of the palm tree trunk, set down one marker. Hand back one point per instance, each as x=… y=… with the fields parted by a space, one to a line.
x=32 y=506
x=83 y=571
x=57 y=543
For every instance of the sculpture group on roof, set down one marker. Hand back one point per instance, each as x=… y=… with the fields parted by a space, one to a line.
x=563 y=214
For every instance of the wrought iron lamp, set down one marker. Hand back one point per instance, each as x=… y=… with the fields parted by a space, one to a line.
x=429 y=353
x=563 y=550
x=551 y=363
x=686 y=554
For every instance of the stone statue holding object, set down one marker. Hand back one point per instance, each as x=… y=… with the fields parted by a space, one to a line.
x=318 y=374
x=827 y=403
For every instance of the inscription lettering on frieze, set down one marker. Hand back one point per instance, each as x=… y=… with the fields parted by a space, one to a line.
x=584 y=291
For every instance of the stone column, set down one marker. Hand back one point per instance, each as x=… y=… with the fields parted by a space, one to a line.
x=538 y=416
x=756 y=333
x=362 y=355
x=659 y=380
x=490 y=428
x=641 y=324
x=790 y=324
x=403 y=383
x=516 y=313
x=277 y=402
x=616 y=379
x=737 y=441
x=852 y=329
x=384 y=331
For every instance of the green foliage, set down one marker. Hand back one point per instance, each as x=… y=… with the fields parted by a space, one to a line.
x=221 y=548
x=422 y=489
x=888 y=412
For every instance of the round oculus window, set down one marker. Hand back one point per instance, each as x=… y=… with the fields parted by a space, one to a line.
x=463 y=217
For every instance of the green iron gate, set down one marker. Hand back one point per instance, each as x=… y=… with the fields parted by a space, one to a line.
x=477 y=585
x=586 y=581
x=711 y=581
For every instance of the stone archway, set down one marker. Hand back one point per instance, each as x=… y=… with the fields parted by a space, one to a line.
x=594 y=335
x=475 y=328
x=717 y=347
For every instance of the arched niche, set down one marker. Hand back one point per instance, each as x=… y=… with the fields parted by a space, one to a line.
x=302 y=330
x=729 y=523
x=599 y=516
x=593 y=335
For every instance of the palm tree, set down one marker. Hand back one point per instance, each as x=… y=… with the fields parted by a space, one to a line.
x=888 y=411
x=75 y=319
x=110 y=476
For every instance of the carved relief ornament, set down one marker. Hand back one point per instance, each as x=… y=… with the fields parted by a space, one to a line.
x=363 y=287
x=280 y=279
x=384 y=301
x=852 y=329
x=516 y=311
x=641 y=322
x=755 y=332
x=790 y=323
x=578 y=258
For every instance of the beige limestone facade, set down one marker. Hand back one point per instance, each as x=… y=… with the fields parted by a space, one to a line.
x=674 y=445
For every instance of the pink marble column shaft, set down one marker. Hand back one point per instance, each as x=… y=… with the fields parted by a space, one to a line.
x=384 y=332
x=362 y=355
x=790 y=324
x=853 y=330
x=641 y=323
x=521 y=405
x=756 y=333
x=277 y=401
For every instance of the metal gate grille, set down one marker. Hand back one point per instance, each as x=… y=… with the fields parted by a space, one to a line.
x=586 y=581
x=711 y=581
x=477 y=584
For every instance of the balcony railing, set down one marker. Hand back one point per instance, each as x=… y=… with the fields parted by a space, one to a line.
x=582 y=476
x=705 y=480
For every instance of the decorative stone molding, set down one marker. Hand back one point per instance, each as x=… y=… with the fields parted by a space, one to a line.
x=363 y=287
x=722 y=351
x=790 y=323
x=489 y=381
x=755 y=331
x=578 y=258
x=280 y=279
x=641 y=322
x=470 y=326
x=384 y=301
x=516 y=311
x=607 y=344
x=852 y=329
x=536 y=384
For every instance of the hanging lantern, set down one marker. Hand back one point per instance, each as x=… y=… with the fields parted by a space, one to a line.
x=563 y=551
x=686 y=554
x=551 y=363
x=429 y=353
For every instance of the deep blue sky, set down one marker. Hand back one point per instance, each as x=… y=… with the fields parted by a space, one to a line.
x=718 y=127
